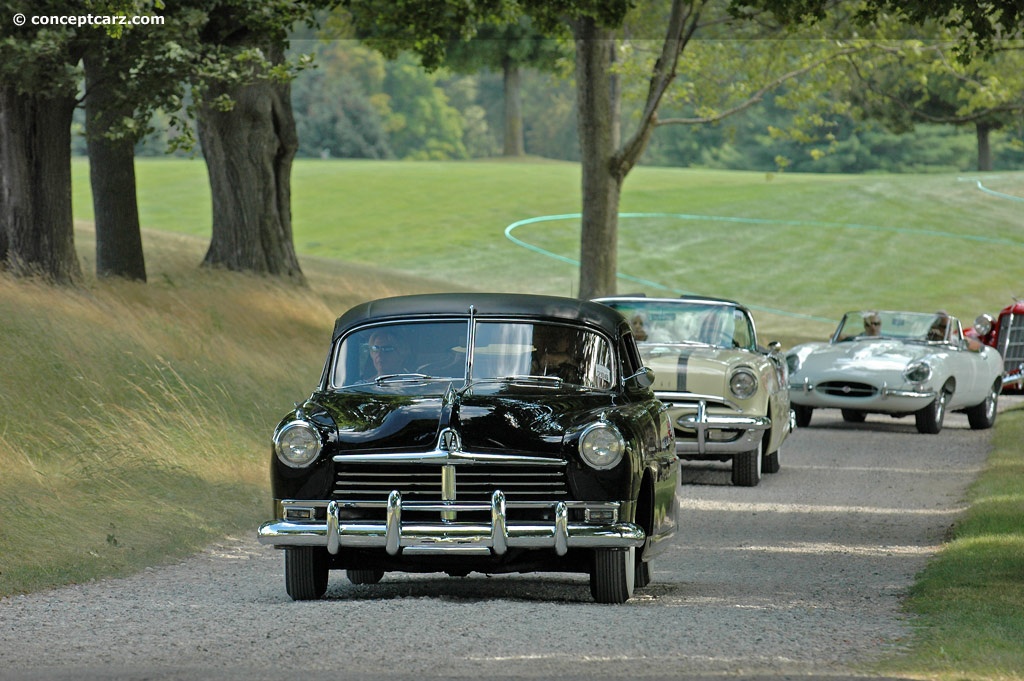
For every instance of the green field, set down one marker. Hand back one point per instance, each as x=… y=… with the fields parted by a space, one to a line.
x=137 y=416
x=790 y=246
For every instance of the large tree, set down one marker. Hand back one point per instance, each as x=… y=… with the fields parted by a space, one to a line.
x=129 y=75
x=248 y=134
x=38 y=84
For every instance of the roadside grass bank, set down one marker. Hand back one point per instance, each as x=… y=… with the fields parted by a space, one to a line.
x=136 y=417
x=969 y=601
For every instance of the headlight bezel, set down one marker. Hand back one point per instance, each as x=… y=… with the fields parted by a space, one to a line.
x=283 y=443
x=743 y=383
x=601 y=446
x=918 y=372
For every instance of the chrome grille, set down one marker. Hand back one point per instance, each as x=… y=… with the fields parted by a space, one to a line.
x=473 y=482
x=847 y=389
x=1011 y=341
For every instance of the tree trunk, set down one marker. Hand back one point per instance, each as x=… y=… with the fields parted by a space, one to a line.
x=35 y=185
x=982 y=131
x=598 y=132
x=249 y=152
x=112 y=174
x=514 y=144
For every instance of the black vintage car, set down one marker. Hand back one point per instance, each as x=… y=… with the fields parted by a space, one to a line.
x=493 y=433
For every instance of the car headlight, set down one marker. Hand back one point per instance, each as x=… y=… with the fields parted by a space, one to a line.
x=743 y=383
x=297 y=444
x=983 y=324
x=918 y=372
x=602 y=446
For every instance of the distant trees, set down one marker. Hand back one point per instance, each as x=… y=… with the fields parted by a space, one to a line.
x=508 y=49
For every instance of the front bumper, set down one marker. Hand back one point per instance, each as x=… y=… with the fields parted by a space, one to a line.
x=447 y=536
x=885 y=399
x=712 y=433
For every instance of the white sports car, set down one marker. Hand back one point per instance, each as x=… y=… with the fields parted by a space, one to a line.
x=897 y=363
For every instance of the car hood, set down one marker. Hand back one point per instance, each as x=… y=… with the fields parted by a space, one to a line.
x=490 y=422
x=691 y=368
x=876 y=356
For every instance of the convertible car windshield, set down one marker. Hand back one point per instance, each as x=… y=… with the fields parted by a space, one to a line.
x=910 y=326
x=710 y=323
x=546 y=354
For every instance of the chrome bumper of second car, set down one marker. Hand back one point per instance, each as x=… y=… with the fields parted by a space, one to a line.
x=748 y=430
x=806 y=388
x=446 y=536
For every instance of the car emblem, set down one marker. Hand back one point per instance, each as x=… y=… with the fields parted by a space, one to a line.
x=450 y=440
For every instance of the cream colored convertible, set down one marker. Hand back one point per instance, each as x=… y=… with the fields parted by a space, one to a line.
x=727 y=396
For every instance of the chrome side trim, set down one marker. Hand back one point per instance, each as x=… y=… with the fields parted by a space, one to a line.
x=445 y=537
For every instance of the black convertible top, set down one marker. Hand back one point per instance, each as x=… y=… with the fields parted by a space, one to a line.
x=485 y=305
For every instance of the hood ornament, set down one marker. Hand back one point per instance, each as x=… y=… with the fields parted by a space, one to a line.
x=450 y=441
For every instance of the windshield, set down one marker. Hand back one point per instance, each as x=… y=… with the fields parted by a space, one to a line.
x=913 y=326
x=436 y=352
x=683 y=321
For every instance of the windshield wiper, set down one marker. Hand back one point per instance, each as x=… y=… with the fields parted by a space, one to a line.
x=402 y=378
x=522 y=379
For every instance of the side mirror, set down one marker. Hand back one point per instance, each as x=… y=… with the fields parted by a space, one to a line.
x=774 y=347
x=641 y=380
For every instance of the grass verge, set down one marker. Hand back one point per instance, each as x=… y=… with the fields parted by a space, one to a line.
x=969 y=602
x=136 y=417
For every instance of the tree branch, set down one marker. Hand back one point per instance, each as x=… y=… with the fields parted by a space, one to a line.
x=683 y=22
x=758 y=96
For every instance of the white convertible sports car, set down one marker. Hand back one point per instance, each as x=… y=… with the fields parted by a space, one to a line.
x=897 y=363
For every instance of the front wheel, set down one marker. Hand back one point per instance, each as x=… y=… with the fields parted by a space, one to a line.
x=746 y=467
x=613 y=575
x=305 y=572
x=643 y=572
x=853 y=416
x=929 y=419
x=803 y=415
x=364 y=576
x=983 y=416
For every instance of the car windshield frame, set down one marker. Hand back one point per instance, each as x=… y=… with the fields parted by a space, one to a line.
x=666 y=322
x=426 y=356
x=911 y=327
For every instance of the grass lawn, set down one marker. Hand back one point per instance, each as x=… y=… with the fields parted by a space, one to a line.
x=120 y=396
x=796 y=248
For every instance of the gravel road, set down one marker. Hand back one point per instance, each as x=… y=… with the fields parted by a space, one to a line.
x=800 y=576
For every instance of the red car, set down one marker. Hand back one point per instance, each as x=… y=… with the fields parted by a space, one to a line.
x=1005 y=333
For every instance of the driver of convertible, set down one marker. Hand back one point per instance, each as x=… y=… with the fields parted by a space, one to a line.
x=940 y=325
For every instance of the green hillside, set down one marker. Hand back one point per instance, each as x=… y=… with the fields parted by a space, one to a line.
x=792 y=246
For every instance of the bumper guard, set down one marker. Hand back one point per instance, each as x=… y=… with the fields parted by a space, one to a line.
x=451 y=537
